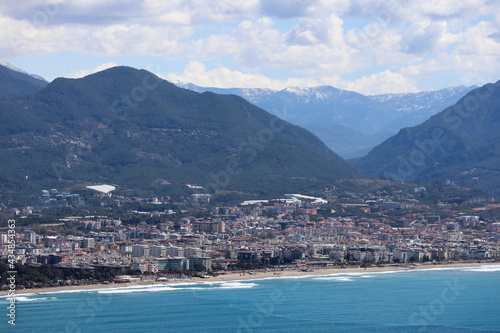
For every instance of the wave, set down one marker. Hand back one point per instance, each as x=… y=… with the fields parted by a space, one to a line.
x=482 y=268
x=490 y=268
x=7 y=296
x=29 y=299
x=178 y=287
x=335 y=278
x=318 y=276
x=235 y=285
x=420 y=269
x=133 y=290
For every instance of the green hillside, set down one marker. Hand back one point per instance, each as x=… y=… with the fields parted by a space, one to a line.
x=460 y=144
x=130 y=128
x=14 y=83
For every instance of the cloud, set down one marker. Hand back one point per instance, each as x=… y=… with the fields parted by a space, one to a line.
x=197 y=73
x=305 y=41
x=84 y=72
x=327 y=31
x=427 y=37
x=134 y=40
x=221 y=77
x=382 y=83
x=213 y=47
x=285 y=8
x=23 y=38
x=305 y=49
x=403 y=11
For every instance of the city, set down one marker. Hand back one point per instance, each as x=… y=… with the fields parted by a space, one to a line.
x=296 y=232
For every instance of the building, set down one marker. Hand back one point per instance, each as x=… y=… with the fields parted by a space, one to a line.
x=51 y=259
x=217 y=227
x=91 y=225
x=158 y=251
x=30 y=236
x=146 y=267
x=88 y=243
x=139 y=251
x=433 y=218
x=200 y=263
x=191 y=252
x=45 y=196
x=175 y=251
x=201 y=197
x=177 y=264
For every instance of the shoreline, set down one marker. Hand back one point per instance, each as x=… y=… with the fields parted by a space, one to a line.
x=251 y=275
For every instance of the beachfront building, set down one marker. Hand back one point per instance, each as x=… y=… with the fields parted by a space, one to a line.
x=177 y=264
x=200 y=263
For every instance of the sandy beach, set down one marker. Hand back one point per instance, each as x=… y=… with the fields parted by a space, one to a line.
x=251 y=275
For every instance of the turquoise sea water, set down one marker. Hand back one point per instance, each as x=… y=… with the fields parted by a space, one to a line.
x=447 y=300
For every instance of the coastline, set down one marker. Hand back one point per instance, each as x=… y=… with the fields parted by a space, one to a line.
x=251 y=275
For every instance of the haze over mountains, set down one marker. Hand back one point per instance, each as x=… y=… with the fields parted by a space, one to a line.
x=128 y=127
x=351 y=124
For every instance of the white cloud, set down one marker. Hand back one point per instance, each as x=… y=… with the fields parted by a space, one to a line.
x=311 y=47
x=134 y=40
x=382 y=83
x=84 y=72
x=213 y=47
x=426 y=37
x=221 y=77
x=306 y=41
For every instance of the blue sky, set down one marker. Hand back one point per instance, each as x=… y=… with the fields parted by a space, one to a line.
x=367 y=46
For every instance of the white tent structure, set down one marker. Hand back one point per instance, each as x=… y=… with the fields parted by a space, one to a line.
x=102 y=188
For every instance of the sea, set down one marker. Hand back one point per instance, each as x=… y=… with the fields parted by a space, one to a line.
x=427 y=300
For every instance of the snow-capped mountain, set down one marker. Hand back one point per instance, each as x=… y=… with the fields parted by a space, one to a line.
x=364 y=121
x=16 y=82
x=17 y=69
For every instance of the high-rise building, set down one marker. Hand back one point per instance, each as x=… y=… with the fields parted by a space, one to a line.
x=158 y=251
x=88 y=243
x=200 y=263
x=190 y=252
x=140 y=250
x=30 y=236
x=175 y=251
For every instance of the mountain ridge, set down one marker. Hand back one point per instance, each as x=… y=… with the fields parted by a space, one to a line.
x=15 y=82
x=461 y=144
x=375 y=117
x=129 y=127
x=17 y=69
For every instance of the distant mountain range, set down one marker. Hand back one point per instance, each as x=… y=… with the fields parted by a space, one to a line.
x=461 y=144
x=351 y=124
x=130 y=128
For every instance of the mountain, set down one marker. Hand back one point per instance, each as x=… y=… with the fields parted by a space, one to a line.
x=365 y=121
x=460 y=144
x=15 y=82
x=17 y=69
x=411 y=109
x=130 y=128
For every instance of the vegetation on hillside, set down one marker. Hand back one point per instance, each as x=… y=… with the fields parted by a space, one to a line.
x=130 y=128
x=460 y=144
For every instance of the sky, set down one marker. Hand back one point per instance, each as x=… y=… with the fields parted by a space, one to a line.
x=367 y=46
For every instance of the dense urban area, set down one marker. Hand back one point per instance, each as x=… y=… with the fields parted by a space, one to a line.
x=70 y=239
